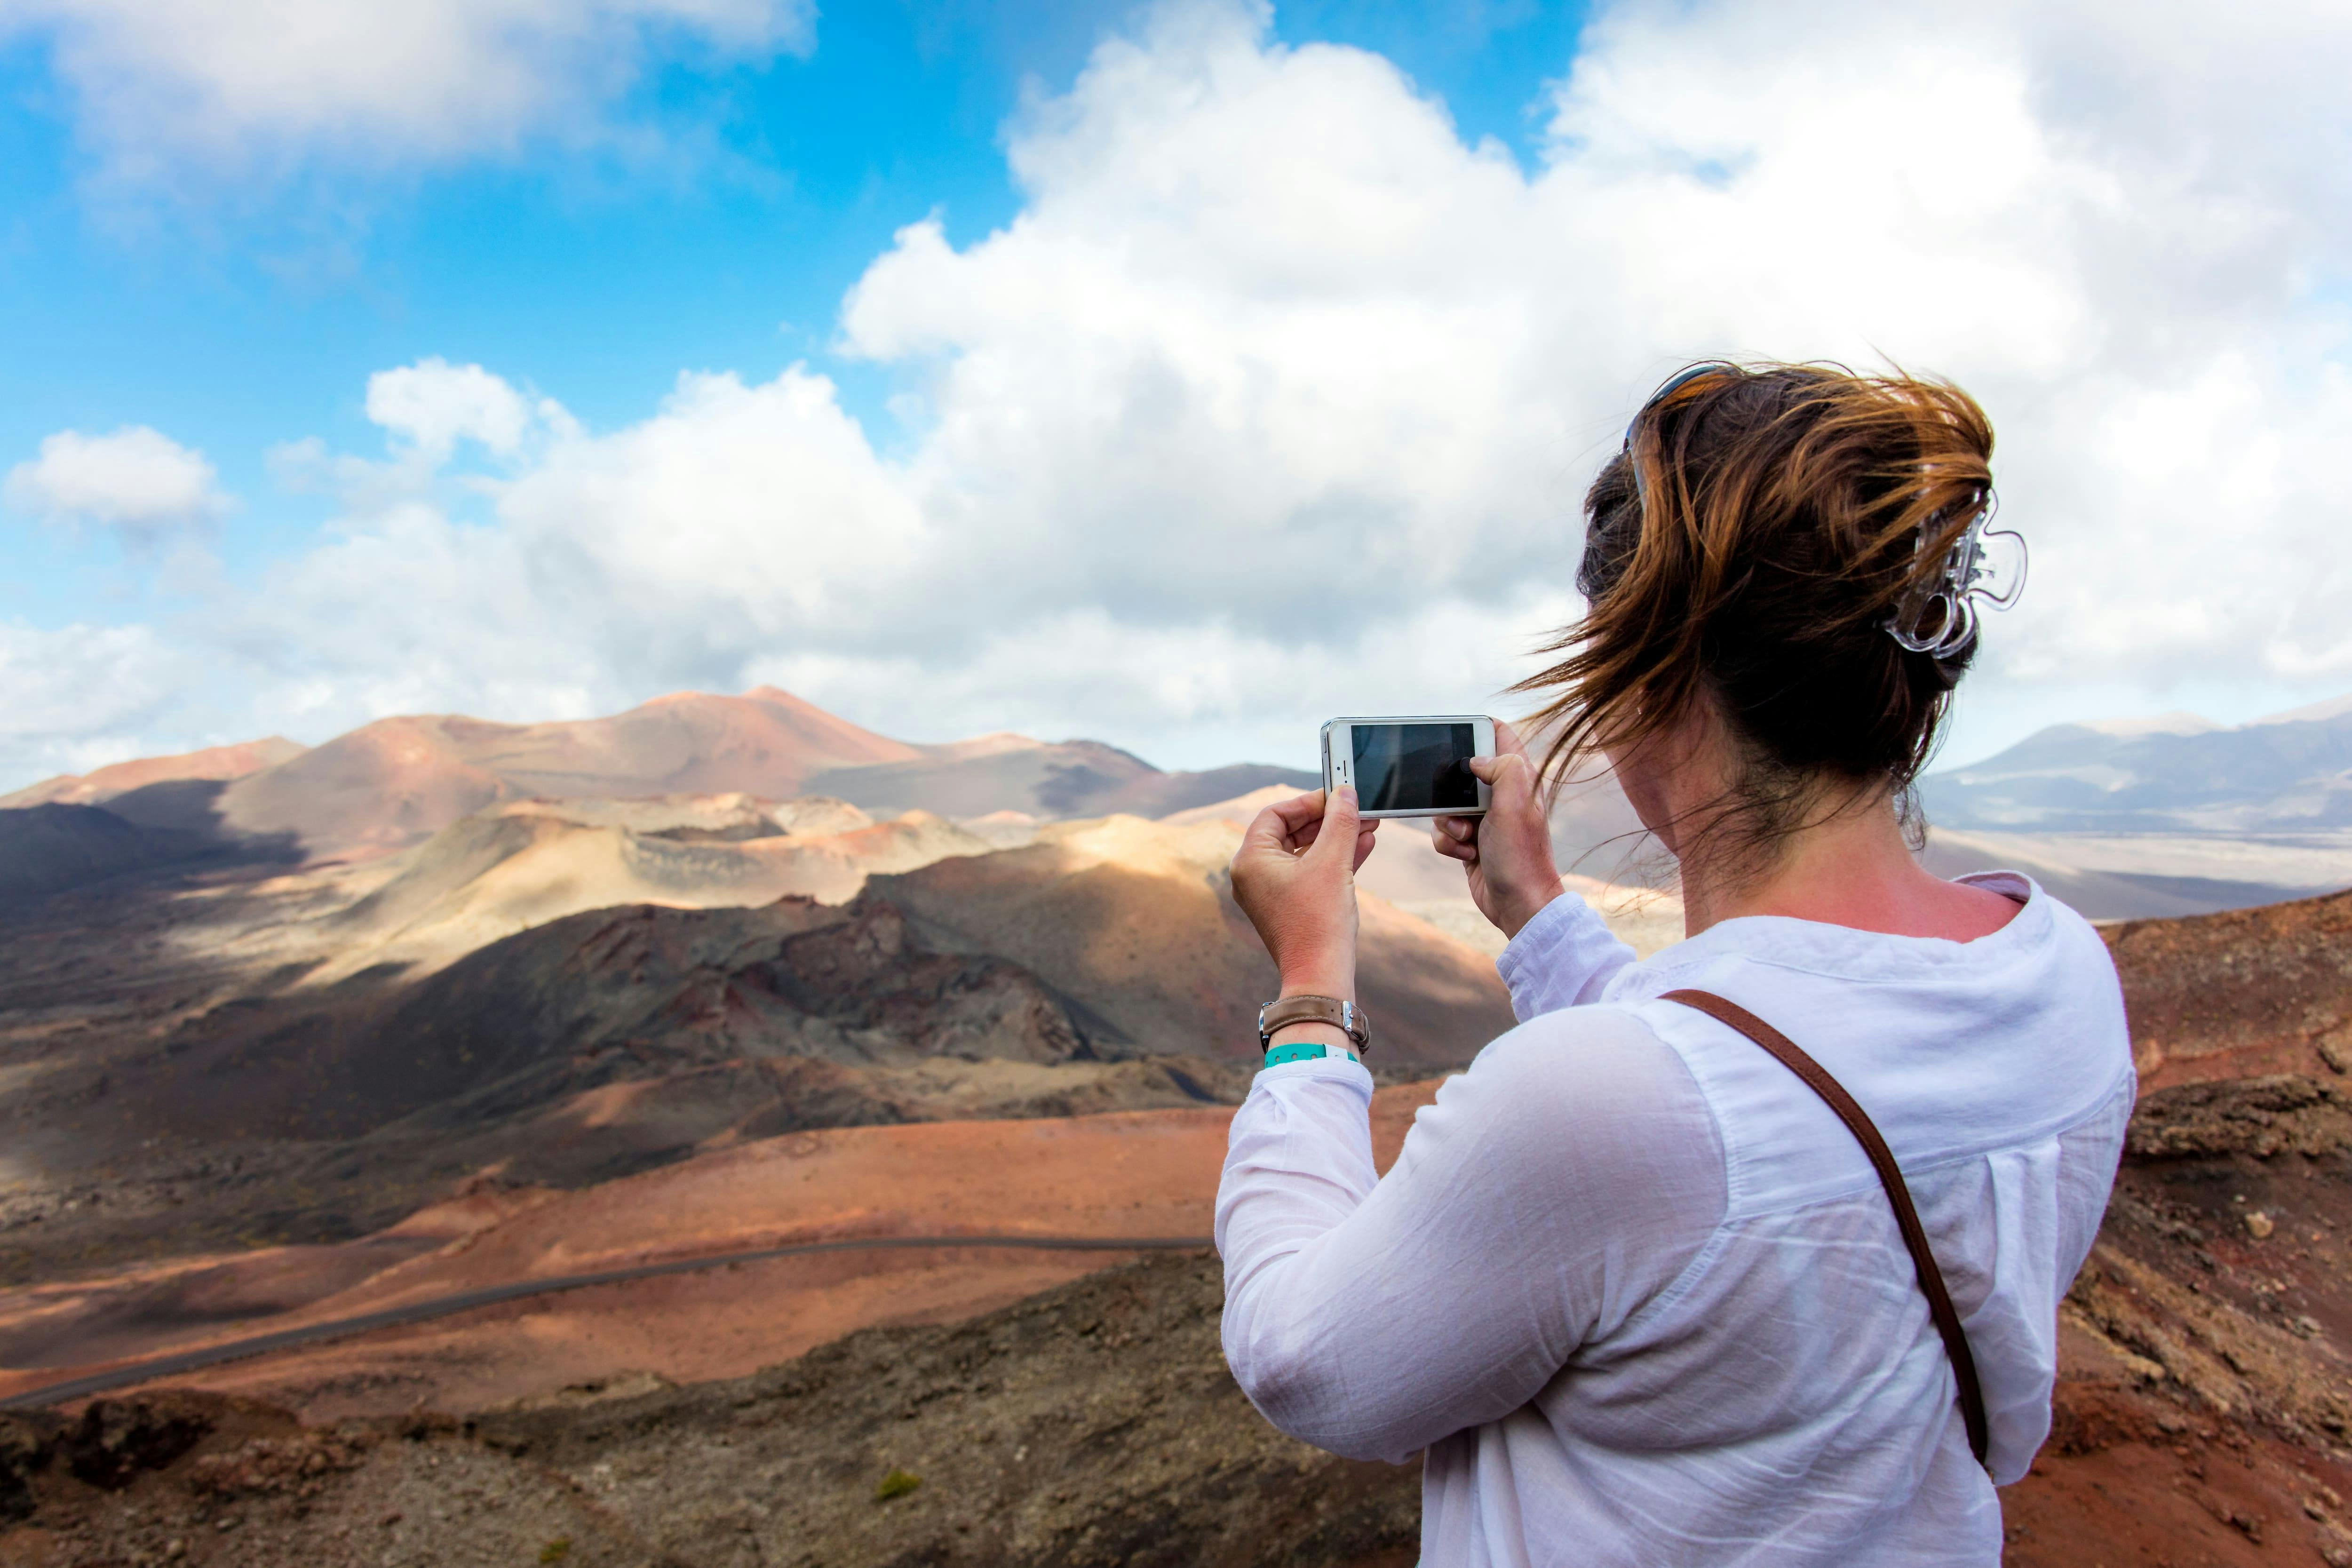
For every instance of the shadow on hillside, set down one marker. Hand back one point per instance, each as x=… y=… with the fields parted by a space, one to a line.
x=175 y=827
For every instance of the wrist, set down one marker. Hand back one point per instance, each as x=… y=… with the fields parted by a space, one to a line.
x=1335 y=982
x=1519 y=911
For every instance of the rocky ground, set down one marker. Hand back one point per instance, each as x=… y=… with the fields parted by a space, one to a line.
x=2201 y=1419
x=2240 y=992
x=1094 y=1424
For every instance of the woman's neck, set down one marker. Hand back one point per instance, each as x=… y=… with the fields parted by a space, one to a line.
x=1851 y=867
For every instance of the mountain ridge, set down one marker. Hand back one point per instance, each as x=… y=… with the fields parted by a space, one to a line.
x=2284 y=773
x=395 y=782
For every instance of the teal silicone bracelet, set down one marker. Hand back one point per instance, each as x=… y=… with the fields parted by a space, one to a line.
x=1305 y=1051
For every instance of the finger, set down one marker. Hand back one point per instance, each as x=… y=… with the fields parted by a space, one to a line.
x=1365 y=840
x=1466 y=853
x=1507 y=742
x=1339 y=816
x=1286 y=826
x=1267 y=834
x=1501 y=772
x=1461 y=830
x=1299 y=810
x=1267 y=831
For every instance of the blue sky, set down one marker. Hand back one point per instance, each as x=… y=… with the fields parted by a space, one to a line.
x=205 y=243
x=257 y=317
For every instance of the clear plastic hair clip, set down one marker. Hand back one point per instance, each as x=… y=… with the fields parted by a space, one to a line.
x=1984 y=565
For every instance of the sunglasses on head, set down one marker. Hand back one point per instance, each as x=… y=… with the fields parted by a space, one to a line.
x=1666 y=395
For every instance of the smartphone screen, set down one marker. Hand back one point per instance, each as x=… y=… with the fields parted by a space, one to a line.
x=1415 y=767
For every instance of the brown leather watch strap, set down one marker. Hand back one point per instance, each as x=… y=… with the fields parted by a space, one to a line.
x=1890 y=1175
x=1344 y=1016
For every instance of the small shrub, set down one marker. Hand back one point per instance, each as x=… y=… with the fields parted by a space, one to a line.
x=897 y=1483
x=556 y=1551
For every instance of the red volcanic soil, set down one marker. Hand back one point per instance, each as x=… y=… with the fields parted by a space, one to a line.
x=2239 y=994
x=213 y=762
x=1138 y=1173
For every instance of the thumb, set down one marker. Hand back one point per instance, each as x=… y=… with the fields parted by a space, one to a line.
x=1337 y=838
x=1502 y=765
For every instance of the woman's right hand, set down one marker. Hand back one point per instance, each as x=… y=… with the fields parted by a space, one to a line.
x=1506 y=852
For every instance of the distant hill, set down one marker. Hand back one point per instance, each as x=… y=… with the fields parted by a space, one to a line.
x=2289 y=772
x=397 y=782
x=96 y=788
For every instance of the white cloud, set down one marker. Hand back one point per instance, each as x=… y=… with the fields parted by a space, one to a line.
x=434 y=404
x=77 y=694
x=1276 y=398
x=136 y=481
x=163 y=85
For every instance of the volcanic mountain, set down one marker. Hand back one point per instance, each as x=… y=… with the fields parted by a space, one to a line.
x=2174 y=814
x=398 y=781
x=2179 y=774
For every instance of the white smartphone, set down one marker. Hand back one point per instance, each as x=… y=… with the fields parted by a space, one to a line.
x=1410 y=765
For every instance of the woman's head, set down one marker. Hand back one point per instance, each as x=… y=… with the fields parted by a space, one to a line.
x=1744 y=559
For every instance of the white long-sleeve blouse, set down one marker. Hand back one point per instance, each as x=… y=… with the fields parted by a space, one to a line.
x=1638 y=1293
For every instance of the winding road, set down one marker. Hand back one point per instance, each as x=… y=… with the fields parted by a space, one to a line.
x=178 y=1361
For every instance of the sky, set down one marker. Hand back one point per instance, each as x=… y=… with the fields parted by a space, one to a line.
x=1177 y=374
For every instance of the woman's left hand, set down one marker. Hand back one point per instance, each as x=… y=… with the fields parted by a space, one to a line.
x=1295 y=877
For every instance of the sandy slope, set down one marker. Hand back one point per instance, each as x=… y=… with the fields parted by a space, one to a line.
x=1134 y=921
x=512 y=868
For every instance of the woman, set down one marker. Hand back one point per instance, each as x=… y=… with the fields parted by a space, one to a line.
x=1631 y=1286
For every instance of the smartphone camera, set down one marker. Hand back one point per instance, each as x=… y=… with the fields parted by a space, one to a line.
x=1410 y=765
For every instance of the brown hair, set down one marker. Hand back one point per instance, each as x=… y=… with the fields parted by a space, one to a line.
x=1750 y=546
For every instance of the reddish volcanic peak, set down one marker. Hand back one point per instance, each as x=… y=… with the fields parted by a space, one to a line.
x=381 y=786
x=395 y=782
x=101 y=785
x=398 y=781
x=767 y=743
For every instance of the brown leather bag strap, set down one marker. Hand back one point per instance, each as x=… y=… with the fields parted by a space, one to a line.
x=1914 y=1236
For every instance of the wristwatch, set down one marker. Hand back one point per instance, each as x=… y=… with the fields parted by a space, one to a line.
x=1345 y=1016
